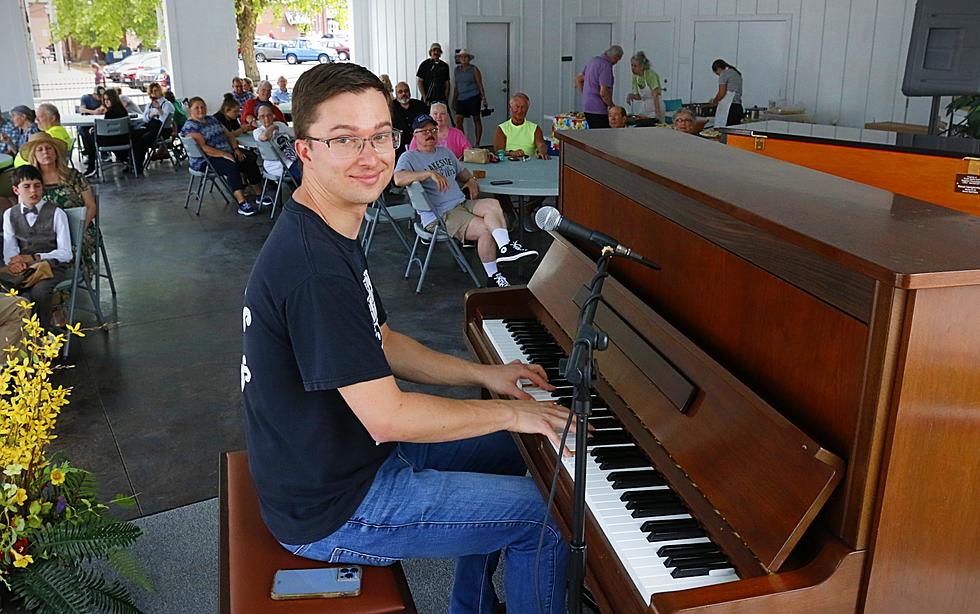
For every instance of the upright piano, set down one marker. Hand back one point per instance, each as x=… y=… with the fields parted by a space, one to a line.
x=788 y=413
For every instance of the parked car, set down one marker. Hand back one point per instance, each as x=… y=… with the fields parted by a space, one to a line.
x=151 y=75
x=114 y=71
x=269 y=50
x=338 y=45
x=304 y=50
x=151 y=60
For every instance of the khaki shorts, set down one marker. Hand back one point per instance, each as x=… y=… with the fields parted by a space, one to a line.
x=457 y=219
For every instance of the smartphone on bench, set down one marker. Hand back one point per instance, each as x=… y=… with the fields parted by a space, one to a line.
x=323 y=582
x=501 y=182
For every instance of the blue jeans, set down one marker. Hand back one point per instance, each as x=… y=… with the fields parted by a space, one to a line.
x=468 y=500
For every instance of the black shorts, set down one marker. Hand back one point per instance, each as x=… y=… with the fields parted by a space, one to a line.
x=469 y=107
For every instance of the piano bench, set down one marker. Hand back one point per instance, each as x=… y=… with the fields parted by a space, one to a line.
x=250 y=556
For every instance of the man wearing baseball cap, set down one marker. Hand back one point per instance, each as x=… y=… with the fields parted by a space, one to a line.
x=474 y=219
x=433 y=77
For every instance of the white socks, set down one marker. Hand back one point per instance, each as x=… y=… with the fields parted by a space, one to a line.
x=490 y=267
x=501 y=236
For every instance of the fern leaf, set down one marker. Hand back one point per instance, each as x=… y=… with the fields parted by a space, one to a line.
x=93 y=539
x=46 y=587
x=125 y=564
x=109 y=598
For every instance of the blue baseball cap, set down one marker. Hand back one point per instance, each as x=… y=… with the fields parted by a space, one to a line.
x=422 y=120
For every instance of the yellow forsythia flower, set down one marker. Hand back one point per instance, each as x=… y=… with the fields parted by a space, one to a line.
x=22 y=560
x=75 y=329
x=21 y=497
x=57 y=477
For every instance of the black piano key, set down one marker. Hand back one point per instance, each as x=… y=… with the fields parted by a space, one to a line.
x=609 y=438
x=695 y=560
x=682 y=549
x=655 y=510
x=616 y=452
x=635 y=479
x=604 y=422
x=693 y=572
x=650 y=496
x=624 y=463
x=653 y=525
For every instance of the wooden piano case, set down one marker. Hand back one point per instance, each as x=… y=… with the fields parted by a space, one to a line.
x=852 y=313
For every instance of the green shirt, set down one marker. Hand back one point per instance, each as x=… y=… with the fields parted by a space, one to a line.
x=519 y=137
x=648 y=79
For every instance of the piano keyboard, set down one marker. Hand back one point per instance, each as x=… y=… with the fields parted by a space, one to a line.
x=658 y=542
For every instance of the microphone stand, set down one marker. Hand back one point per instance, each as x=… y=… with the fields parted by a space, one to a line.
x=580 y=370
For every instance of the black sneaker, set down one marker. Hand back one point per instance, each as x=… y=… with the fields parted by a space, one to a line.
x=497 y=280
x=514 y=251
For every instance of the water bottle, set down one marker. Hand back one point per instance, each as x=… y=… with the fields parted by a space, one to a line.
x=502 y=155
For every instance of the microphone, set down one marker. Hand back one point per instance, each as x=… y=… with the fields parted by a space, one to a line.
x=548 y=218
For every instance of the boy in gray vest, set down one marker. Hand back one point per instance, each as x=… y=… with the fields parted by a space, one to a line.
x=34 y=231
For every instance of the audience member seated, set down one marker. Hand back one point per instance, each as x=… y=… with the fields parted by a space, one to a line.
x=115 y=109
x=20 y=128
x=49 y=121
x=473 y=219
x=686 y=121
x=451 y=138
x=228 y=114
x=180 y=113
x=247 y=85
x=222 y=151
x=90 y=104
x=128 y=104
x=65 y=188
x=404 y=110
x=267 y=130
x=238 y=91
x=518 y=136
x=35 y=238
x=154 y=116
x=281 y=94
x=263 y=95
x=386 y=81
x=617 y=117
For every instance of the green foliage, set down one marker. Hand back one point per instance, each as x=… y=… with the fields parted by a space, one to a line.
x=104 y=23
x=248 y=12
x=124 y=563
x=94 y=538
x=51 y=587
x=972 y=106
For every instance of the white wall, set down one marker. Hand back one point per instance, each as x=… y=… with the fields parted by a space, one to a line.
x=16 y=68
x=845 y=58
x=201 y=41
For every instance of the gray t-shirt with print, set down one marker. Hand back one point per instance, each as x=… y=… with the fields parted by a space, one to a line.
x=444 y=162
x=732 y=79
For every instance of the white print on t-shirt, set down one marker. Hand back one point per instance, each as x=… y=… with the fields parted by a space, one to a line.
x=371 y=306
x=246 y=321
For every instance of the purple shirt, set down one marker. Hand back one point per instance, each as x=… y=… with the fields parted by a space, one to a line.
x=598 y=72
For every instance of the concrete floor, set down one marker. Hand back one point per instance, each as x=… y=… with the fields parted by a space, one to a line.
x=156 y=398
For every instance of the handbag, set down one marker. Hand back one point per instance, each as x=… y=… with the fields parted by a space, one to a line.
x=476 y=155
x=485 y=112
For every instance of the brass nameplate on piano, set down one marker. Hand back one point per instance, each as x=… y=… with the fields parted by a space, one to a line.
x=676 y=386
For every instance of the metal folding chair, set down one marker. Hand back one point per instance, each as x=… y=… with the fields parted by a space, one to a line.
x=110 y=128
x=268 y=151
x=79 y=280
x=163 y=139
x=208 y=175
x=417 y=196
x=378 y=211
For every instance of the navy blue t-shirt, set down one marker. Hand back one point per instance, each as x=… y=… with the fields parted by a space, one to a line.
x=90 y=102
x=312 y=324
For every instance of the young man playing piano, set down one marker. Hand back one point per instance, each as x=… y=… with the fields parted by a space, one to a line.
x=350 y=469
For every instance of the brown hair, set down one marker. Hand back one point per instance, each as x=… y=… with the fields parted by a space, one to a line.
x=113 y=96
x=195 y=99
x=325 y=81
x=227 y=103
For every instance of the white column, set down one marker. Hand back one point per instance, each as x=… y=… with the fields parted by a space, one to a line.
x=200 y=48
x=16 y=68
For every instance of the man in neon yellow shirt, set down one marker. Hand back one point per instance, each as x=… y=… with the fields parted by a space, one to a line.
x=49 y=120
x=517 y=136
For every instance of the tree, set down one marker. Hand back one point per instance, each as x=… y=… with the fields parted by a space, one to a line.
x=104 y=23
x=248 y=12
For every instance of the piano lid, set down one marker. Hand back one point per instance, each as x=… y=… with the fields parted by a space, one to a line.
x=759 y=472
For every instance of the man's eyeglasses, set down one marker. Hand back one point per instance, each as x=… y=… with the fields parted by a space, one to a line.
x=352 y=146
x=424 y=131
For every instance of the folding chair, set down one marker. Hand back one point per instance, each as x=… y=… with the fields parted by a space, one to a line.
x=109 y=128
x=395 y=213
x=421 y=205
x=79 y=280
x=270 y=152
x=100 y=254
x=163 y=139
x=205 y=176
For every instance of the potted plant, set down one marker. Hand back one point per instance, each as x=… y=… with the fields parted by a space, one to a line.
x=52 y=526
x=971 y=105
